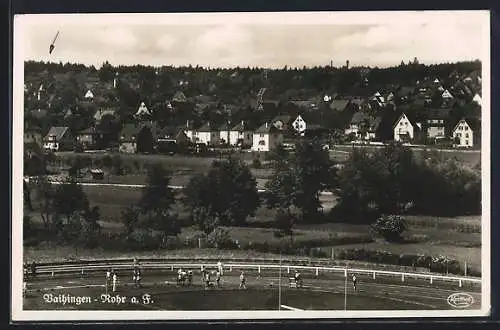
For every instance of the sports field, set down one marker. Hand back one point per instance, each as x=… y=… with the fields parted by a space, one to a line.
x=326 y=291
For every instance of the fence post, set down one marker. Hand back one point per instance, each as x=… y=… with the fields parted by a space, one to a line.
x=373 y=275
x=345 y=272
x=459 y=283
x=333 y=254
x=288 y=270
x=172 y=267
x=259 y=269
x=465 y=269
x=402 y=277
x=431 y=279
x=82 y=272
x=230 y=269
x=317 y=271
x=52 y=273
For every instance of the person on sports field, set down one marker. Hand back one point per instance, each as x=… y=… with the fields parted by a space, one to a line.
x=298 y=279
x=354 y=282
x=190 y=277
x=115 y=281
x=108 y=278
x=219 y=267
x=242 y=281
x=218 y=275
x=207 y=279
x=137 y=277
x=33 y=269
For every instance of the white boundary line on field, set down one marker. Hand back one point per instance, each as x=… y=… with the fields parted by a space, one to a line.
x=291 y=308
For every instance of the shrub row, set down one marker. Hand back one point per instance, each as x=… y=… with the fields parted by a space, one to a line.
x=438 y=264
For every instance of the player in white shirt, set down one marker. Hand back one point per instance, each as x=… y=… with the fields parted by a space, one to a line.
x=354 y=282
x=220 y=268
x=115 y=281
x=242 y=281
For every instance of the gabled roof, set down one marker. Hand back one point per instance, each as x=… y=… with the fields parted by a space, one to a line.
x=242 y=126
x=443 y=113
x=266 y=128
x=90 y=131
x=179 y=97
x=103 y=112
x=283 y=118
x=359 y=117
x=339 y=105
x=57 y=131
x=224 y=127
x=412 y=118
x=205 y=128
x=473 y=123
x=40 y=113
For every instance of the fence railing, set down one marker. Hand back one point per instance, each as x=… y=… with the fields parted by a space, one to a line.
x=84 y=267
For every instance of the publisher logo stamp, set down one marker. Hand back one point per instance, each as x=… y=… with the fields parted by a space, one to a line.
x=460 y=300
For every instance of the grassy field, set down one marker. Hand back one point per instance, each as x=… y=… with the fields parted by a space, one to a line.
x=469 y=158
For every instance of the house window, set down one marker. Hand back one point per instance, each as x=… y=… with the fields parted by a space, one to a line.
x=406 y=123
x=262 y=143
x=467 y=142
x=261 y=135
x=466 y=128
x=459 y=135
x=466 y=135
x=441 y=121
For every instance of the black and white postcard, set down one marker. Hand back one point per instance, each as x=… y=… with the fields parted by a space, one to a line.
x=251 y=165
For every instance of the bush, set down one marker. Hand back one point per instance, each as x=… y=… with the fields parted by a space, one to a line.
x=439 y=264
x=390 y=227
x=220 y=239
x=256 y=163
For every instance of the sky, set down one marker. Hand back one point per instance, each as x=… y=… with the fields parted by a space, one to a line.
x=257 y=40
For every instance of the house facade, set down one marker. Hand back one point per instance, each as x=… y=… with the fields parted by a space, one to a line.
x=207 y=135
x=224 y=133
x=266 y=138
x=405 y=129
x=463 y=135
x=59 y=138
x=128 y=142
x=241 y=134
x=90 y=138
x=436 y=123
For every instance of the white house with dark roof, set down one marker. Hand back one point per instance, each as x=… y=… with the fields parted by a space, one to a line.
x=89 y=95
x=241 y=134
x=446 y=94
x=190 y=131
x=143 y=110
x=207 y=134
x=463 y=134
x=58 y=138
x=267 y=137
x=224 y=132
x=405 y=128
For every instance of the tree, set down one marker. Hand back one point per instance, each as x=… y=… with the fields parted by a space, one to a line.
x=157 y=201
x=117 y=165
x=27 y=196
x=228 y=192
x=45 y=193
x=91 y=216
x=130 y=219
x=204 y=219
x=299 y=178
x=69 y=199
x=390 y=227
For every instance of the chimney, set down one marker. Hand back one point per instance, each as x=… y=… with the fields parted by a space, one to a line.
x=187 y=123
x=242 y=123
x=266 y=125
